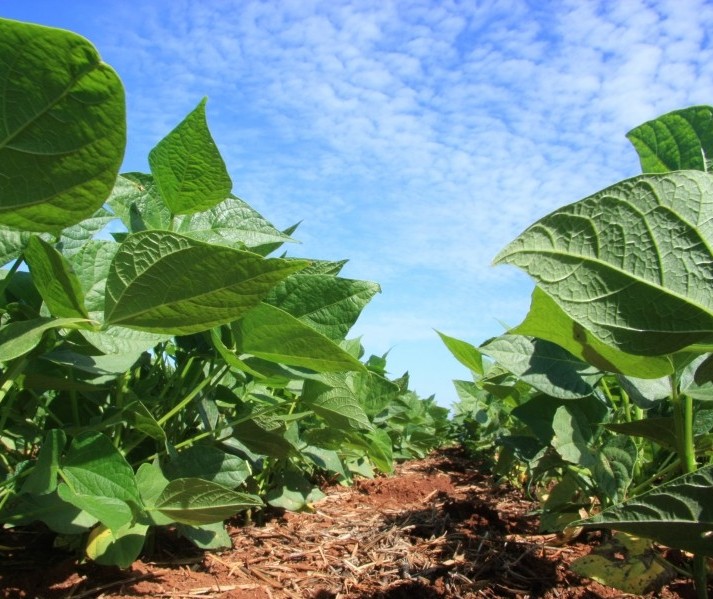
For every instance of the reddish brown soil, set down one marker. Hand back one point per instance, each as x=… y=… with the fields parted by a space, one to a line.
x=440 y=527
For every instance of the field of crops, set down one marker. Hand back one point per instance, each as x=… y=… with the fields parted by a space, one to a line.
x=167 y=367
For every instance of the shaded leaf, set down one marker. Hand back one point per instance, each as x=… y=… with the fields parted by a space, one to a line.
x=55 y=280
x=543 y=365
x=196 y=502
x=546 y=320
x=678 y=513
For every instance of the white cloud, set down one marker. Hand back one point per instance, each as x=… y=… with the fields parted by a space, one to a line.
x=414 y=137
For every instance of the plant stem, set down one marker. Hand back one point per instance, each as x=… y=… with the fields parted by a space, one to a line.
x=683 y=422
x=212 y=380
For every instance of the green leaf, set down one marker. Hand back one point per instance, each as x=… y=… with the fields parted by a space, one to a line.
x=614 y=468
x=116 y=547
x=326 y=460
x=168 y=283
x=272 y=334
x=209 y=537
x=544 y=365
x=678 y=513
x=151 y=483
x=196 y=502
x=62 y=127
x=539 y=412
x=264 y=436
x=21 y=337
x=335 y=398
x=43 y=477
x=233 y=223
x=136 y=201
x=209 y=463
x=330 y=305
x=464 y=352
x=632 y=263
x=546 y=320
x=91 y=264
x=188 y=168
x=659 y=430
x=571 y=437
x=59 y=515
x=114 y=513
x=646 y=392
x=120 y=340
x=679 y=140
x=99 y=480
x=55 y=280
x=74 y=238
x=292 y=491
x=12 y=244
x=139 y=417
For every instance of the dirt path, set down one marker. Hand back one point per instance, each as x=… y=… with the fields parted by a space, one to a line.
x=439 y=528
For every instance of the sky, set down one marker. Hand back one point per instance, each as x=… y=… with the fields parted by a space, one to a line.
x=415 y=138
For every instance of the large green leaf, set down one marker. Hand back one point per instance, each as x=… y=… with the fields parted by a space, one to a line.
x=544 y=365
x=168 y=283
x=682 y=139
x=272 y=334
x=331 y=305
x=632 y=263
x=209 y=463
x=55 y=280
x=546 y=320
x=188 y=168
x=678 y=513
x=62 y=127
x=233 y=223
x=195 y=502
x=99 y=480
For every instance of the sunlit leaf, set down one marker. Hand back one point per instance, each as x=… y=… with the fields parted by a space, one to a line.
x=62 y=127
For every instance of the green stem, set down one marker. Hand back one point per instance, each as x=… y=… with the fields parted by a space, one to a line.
x=210 y=380
x=683 y=422
x=662 y=474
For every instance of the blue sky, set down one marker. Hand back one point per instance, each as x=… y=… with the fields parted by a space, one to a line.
x=413 y=137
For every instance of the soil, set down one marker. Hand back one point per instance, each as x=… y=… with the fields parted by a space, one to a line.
x=439 y=527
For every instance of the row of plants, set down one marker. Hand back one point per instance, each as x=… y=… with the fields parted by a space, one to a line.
x=161 y=363
x=600 y=400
